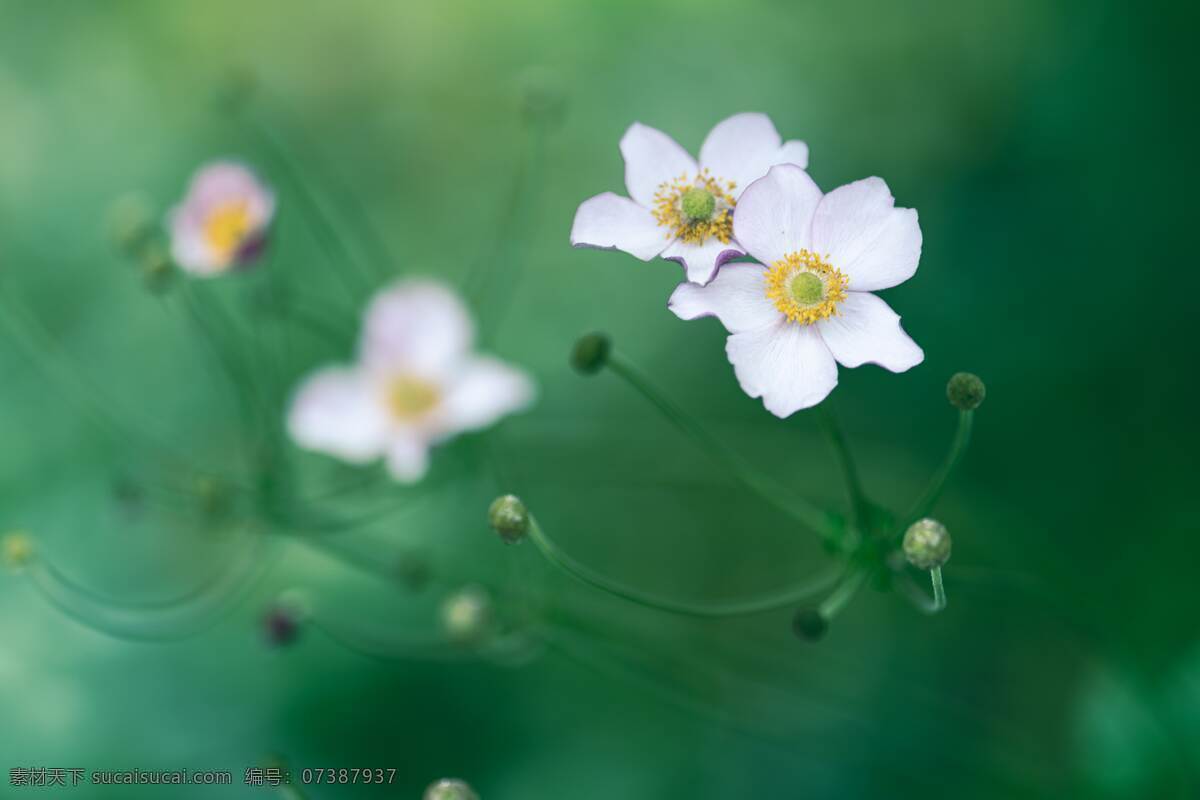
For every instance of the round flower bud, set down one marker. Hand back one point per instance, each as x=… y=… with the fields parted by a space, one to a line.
x=16 y=550
x=467 y=615
x=965 y=391
x=810 y=624
x=509 y=518
x=450 y=789
x=927 y=544
x=590 y=353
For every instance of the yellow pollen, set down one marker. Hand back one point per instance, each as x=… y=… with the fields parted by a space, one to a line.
x=805 y=287
x=227 y=227
x=410 y=398
x=670 y=213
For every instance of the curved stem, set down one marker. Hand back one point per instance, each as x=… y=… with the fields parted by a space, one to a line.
x=859 y=504
x=781 y=599
x=831 y=606
x=928 y=499
x=778 y=496
x=917 y=596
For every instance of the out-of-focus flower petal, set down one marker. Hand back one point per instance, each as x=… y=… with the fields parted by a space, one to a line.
x=407 y=458
x=220 y=187
x=866 y=237
x=787 y=365
x=486 y=390
x=651 y=159
x=415 y=325
x=774 y=215
x=336 y=411
x=611 y=221
x=737 y=297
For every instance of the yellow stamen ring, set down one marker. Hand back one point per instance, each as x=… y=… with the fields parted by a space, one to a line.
x=409 y=398
x=805 y=287
x=694 y=210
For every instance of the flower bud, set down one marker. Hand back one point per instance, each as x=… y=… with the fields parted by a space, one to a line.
x=590 y=353
x=467 y=615
x=450 y=789
x=284 y=619
x=16 y=550
x=965 y=391
x=927 y=544
x=509 y=518
x=810 y=624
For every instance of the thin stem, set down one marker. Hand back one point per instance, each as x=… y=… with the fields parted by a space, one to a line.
x=859 y=504
x=778 y=496
x=831 y=606
x=781 y=599
x=917 y=596
x=928 y=499
x=939 y=591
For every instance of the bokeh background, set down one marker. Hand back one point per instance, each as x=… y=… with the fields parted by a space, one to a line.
x=1049 y=147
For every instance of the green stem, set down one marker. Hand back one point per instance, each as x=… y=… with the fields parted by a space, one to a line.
x=917 y=596
x=843 y=594
x=782 y=599
x=928 y=499
x=778 y=496
x=859 y=504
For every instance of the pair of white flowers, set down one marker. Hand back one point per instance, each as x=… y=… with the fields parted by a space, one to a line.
x=806 y=304
x=417 y=380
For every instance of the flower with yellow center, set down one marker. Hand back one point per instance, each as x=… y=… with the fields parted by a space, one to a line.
x=678 y=208
x=223 y=220
x=417 y=383
x=792 y=322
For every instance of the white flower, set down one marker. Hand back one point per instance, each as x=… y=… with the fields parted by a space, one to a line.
x=222 y=221
x=792 y=321
x=417 y=383
x=681 y=210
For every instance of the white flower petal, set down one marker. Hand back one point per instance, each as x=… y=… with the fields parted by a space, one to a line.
x=701 y=261
x=336 y=411
x=415 y=325
x=866 y=237
x=743 y=147
x=407 y=458
x=868 y=330
x=651 y=159
x=611 y=221
x=217 y=184
x=774 y=215
x=787 y=365
x=737 y=297
x=486 y=390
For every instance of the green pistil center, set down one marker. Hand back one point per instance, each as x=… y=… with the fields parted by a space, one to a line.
x=806 y=289
x=698 y=204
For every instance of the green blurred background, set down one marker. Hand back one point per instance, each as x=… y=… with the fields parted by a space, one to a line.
x=1049 y=148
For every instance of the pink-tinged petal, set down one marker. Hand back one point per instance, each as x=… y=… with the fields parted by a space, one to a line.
x=651 y=159
x=737 y=297
x=868 y=331
x=610 y=221
x=337 y=412
x=415 y=325
x=407 y=458
x=486 y=390
x=774 y=215
x=214 y=186
x=865 y=236
x=787 y=365
x=701 y=261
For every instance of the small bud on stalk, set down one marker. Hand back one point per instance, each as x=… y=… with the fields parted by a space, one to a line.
x=467 y=615
x=810 y=624
x=509 y=517
x=450 y=789
x=965 y=391
x=590 y=353
x=284 y=619
x=927 y=544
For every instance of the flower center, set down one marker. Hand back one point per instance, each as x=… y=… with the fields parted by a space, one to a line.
x=695 y=209
x=227 y=227
x=410 y=398
x=805 y=287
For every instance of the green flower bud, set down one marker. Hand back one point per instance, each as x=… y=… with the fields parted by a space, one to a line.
x=927 y=544
x=810 y=624
x=509 y=518
x=590 y=353
x=16 y=550
x=467 y=615
x=450 y=789
x=965 y=391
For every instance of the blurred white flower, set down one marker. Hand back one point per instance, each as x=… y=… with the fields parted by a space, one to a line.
x=222 y=221
x=679 y=209
x=792 y=321
x=417 y=383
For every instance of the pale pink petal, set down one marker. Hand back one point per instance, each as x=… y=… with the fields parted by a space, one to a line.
x=407 y=458
x=651 y=159
x=415 y=325
x=336 y=411
x=486 y=390
x=858 y=227
x=787 y=365
x=701 y=261
x=793 y=152
x=737 y=297
x=214 y=185
x=774 y=215
x=611 y=221
x=867 y=330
